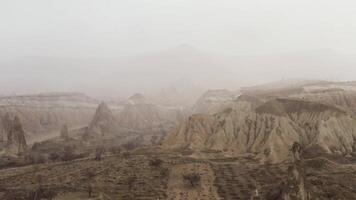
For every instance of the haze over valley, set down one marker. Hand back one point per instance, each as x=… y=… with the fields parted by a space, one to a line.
x=177 y=100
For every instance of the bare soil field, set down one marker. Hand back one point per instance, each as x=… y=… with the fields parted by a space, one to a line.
x=136 y=176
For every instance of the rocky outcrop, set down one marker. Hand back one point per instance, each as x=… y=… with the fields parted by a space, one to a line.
x=103 y=122
x=14 y=135
x=269 y=130
x=44 y=114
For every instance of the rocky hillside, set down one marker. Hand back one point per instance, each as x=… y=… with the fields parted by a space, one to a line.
x=268 y=130
x=45 y=114
x=103 y=122
x=13 y=135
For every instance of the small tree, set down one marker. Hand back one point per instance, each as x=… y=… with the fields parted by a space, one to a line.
x=115 y=150
x=296 y=151
x=126 y=154
x=156 y=162
x=193 y=179
x=99 y=151
x=54 y=157
x=164 y=172
x=129 y=146
x=90 y=175
x=131 y=181
x=154 y=140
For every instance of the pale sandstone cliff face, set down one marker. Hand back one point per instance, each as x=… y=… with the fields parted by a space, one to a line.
x=269 y=130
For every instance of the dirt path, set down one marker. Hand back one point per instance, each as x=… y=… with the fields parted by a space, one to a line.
x=178 y=190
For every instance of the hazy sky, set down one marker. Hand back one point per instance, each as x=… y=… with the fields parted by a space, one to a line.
x=106 y=28
x=36 y=35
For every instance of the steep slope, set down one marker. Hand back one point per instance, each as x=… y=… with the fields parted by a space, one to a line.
x=102 y=123
x=193 y=132
x=269 y=130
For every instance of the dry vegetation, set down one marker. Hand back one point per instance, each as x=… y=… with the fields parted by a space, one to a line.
x=148 y=174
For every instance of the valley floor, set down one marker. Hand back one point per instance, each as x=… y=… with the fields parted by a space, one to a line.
x=133 y=176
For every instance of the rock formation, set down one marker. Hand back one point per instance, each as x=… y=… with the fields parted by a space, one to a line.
x=103 y=122
x=269 y=130
x=15 y=135
x=44 y=114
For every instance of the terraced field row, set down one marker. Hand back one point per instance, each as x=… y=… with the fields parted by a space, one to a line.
x=243 y=181
x=114 y=177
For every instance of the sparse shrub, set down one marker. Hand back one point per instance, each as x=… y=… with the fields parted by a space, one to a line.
x=54 y=157
x=133 y=144
x=115 y=150
x=34 y=158
x=131 y=181
x=317 y=164
x=125 y=154
x=267 y=151
x=192 y=179
x=36 y=146
x=42 y=193
x=164 y=172
x=68 y=153
x=9 y=161
x=90 y=174
x=154 y=140
x=186 y=151
x=129 y=146
x=90 y=190
x=39 y=180
x=156 y=162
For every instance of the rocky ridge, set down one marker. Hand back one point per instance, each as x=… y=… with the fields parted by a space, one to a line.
x=268 y=130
